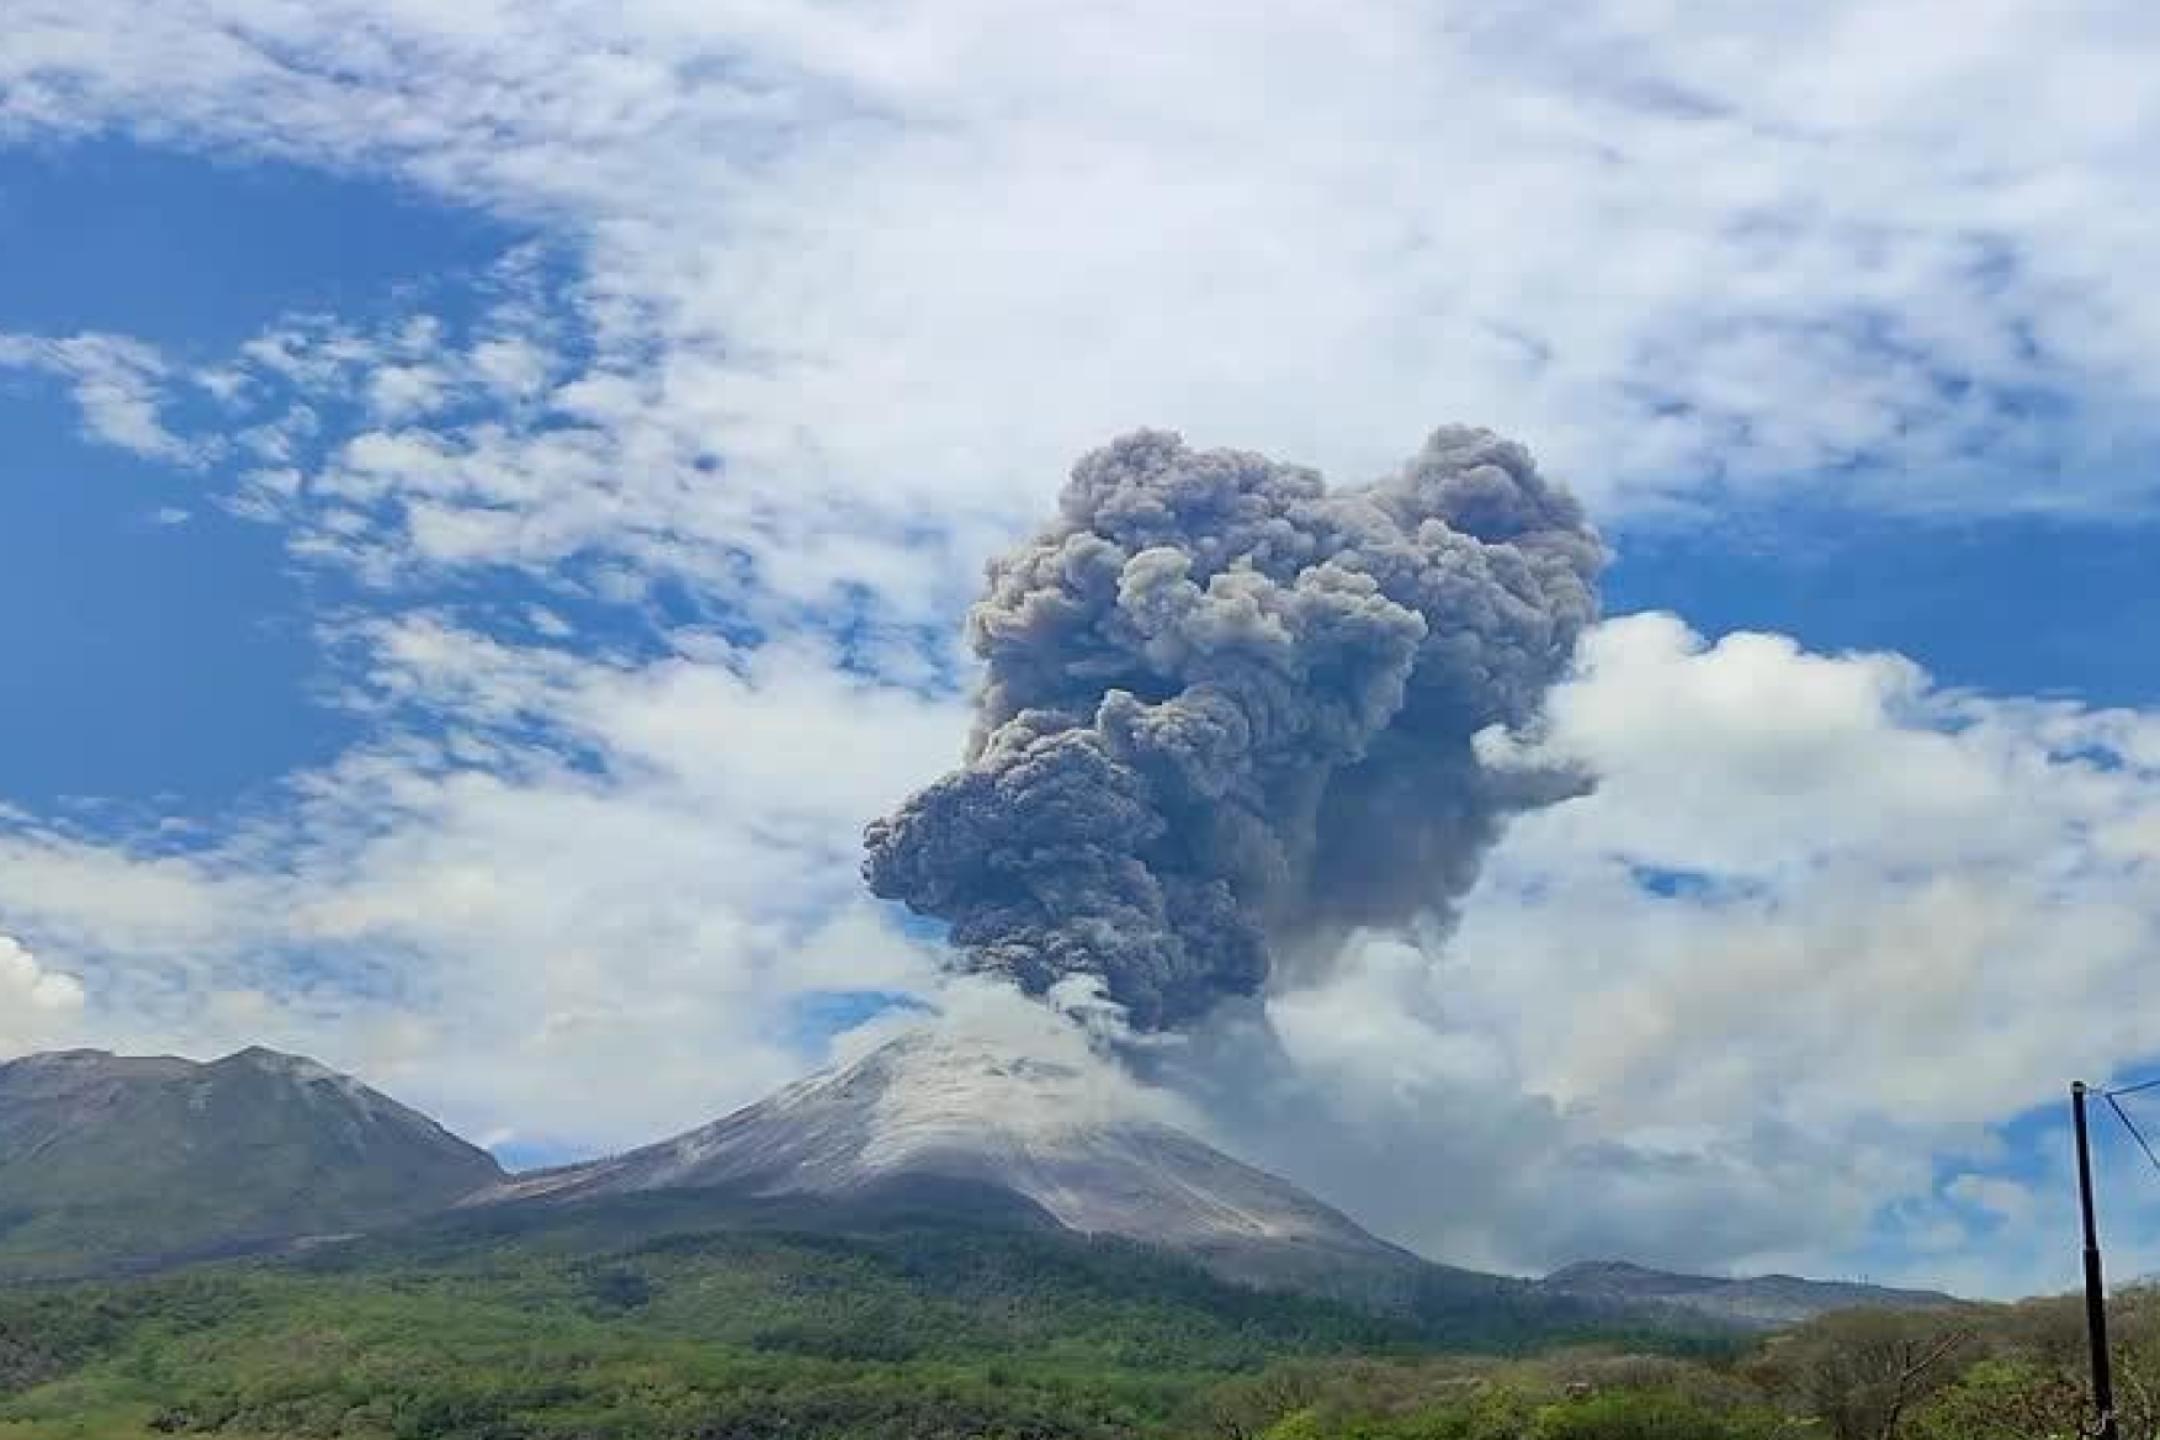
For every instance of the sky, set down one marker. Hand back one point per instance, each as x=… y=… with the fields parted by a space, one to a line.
x=489 y=492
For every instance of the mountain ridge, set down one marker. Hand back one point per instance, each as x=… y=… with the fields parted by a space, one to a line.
x=111 y=1161
x=259 y=1149
x=1750 y=1301
x=1098 y=1162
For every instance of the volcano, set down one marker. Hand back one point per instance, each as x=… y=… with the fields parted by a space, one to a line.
x=1078 y=1148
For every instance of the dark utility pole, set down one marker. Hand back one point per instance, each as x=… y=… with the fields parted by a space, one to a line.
x=2095 y=1291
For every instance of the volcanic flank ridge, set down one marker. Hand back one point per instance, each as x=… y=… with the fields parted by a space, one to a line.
x=1061 y=1136
x=1087 y=1151
x=117 y=1163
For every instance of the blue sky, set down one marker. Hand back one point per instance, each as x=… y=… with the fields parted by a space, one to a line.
x=2022 y=605
x=207 y=623
x=486 y=511
x=174 y=657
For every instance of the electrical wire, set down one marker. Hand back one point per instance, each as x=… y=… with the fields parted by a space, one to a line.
x=2131 y=1125
x=2131 y=1089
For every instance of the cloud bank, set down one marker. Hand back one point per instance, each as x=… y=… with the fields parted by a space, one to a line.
x=1667 y=247
x=1821 y=926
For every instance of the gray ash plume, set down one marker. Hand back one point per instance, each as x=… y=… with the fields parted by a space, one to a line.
x=1229 y=714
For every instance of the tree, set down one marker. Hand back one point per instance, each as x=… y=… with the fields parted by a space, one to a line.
x=1865 y=1373
x=2006 y=1400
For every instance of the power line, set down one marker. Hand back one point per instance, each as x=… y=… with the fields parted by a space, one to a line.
x=2131 y=1125
x=2131 y=1089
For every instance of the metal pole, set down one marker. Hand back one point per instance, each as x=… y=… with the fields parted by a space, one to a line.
x=2095 y=1290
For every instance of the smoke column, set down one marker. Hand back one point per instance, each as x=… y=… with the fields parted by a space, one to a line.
x=1228 y=716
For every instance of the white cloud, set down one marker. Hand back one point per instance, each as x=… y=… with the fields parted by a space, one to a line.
x=37 y=1006
x=403 y=392
x=1821 y=925
x=118 y=386
x=598 y=872
x=2004 y=1199
x=1914 y=875
x=903 y=260
x=515 y=367
x=850 y=286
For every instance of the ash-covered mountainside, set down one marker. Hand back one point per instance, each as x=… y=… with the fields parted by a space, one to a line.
x=1764 y=1302
x=1081 y=1144
x=109 y=1159
x=1059 y=1135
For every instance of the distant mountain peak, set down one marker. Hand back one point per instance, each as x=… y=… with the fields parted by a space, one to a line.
x=1758 y=1301
x=105 y=1157
x=278 y=1062
x=298 y=1069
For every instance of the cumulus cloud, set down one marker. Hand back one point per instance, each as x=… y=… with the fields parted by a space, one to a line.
x=594 y=870
x=1953 y=857
x=37 y=1005
x=1821 y=924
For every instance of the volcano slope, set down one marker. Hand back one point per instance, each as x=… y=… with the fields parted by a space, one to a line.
x=1062 y=1140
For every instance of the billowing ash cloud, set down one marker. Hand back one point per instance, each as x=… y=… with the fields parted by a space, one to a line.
x=1229 y=714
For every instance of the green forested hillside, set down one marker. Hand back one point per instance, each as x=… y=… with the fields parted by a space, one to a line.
x=664 y=1316
x=688 y=1315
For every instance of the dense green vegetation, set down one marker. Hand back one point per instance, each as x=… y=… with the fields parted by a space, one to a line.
x=676 y=1315
x=2012 y=1372
x=663 y=1317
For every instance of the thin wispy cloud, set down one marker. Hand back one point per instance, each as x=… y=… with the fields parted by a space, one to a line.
x=118 y=386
